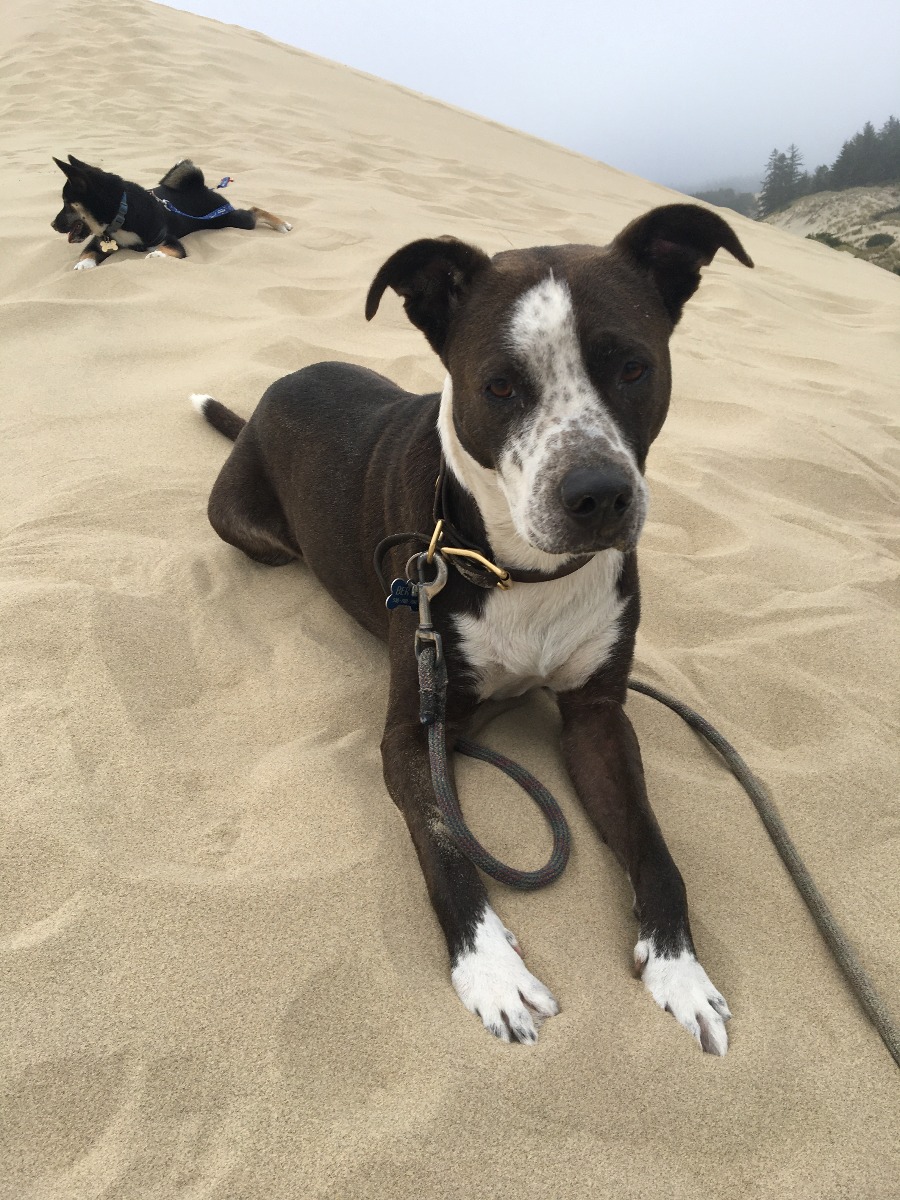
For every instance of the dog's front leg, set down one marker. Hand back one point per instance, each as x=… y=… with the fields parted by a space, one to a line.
x=487 y=970
x=91 y=256
x=604 y=760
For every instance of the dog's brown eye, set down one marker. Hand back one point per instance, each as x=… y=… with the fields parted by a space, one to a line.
x=632 y=372
x=500 y=389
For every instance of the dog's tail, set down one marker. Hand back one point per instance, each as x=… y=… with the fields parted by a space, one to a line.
x=218 y=415
x=183 y=175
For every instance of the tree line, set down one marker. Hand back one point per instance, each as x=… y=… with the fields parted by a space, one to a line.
x=869 y=157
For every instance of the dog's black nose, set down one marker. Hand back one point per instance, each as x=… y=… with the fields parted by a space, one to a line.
x=598 y=497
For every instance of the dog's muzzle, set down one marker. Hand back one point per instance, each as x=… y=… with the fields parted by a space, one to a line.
x=598 y=500
x=590 y=507
x=66 y=222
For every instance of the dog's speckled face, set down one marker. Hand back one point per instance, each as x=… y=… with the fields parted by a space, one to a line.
x=559 y=370
x=563 y=397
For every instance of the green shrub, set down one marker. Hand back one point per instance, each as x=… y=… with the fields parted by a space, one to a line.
x=827 y=239
x=880 y=239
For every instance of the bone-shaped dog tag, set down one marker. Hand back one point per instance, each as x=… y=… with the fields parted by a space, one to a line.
x=403 y=591
x=107 y=245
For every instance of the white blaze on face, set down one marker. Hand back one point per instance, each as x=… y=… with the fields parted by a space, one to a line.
x=483 y=484
x=569 y=426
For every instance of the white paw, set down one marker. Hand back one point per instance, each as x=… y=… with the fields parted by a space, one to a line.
x=84 y=264
x=285 y=227
x=493 y=982
x=158 y=254
x=681 y=986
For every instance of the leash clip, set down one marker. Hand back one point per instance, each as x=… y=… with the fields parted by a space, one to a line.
x=426 y=634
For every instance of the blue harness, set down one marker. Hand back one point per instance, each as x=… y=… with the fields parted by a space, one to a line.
x=219 y=212
x=118 y=220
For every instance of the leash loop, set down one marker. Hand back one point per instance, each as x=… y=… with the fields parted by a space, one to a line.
x=432 y=713
x=432 y=702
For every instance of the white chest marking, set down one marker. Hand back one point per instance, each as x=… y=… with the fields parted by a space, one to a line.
x=554 y=634
x=122 y=237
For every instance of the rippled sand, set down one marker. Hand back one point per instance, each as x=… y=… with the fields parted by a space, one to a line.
x=220 y=974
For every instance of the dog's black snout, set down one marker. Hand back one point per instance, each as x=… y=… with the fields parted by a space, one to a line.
x=596 y=496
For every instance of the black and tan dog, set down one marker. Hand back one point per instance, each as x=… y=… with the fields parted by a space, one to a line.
x=558 y=380
x=124 y=216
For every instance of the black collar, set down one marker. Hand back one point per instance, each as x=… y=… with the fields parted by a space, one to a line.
x=447 y=537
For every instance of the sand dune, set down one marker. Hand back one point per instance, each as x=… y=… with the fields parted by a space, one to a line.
x=220 y=974
x=853 y=216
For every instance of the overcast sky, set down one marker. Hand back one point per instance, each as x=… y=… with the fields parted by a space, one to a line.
x=683 y=92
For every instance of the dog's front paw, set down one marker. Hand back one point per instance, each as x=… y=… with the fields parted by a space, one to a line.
x=158 y=254
x=493 y=982
x=679 y=984
x=285 y=227
x=85 y=264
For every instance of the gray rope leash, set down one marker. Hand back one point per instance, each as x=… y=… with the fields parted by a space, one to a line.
x=432 y=693
x=433 y=685
x=432 y=669
x=860 y=983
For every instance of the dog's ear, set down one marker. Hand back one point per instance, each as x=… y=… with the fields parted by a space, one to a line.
x=79 y=165
x=73 y=172
x=433 y=276
x=673 y=243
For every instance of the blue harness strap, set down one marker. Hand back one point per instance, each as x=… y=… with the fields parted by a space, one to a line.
x=118 y=220
x=219 y=212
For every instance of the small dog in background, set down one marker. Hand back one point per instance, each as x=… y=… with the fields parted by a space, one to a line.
x=125 y=216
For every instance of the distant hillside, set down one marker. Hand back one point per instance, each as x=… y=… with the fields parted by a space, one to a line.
x=737 y=183
x=742 y=202
x=849 y=220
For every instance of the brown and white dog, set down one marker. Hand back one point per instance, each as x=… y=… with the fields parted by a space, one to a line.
x=558 y=380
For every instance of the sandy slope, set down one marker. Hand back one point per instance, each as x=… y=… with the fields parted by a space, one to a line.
x=220 y=976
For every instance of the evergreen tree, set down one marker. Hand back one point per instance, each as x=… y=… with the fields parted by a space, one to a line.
x=843 y=169
x=794 y=163
x=776 y=189
x=889 y=150
x=867 y=167
x=869 y=157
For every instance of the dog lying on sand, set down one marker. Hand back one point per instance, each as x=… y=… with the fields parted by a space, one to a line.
x=125 y=216
x=558 y=381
